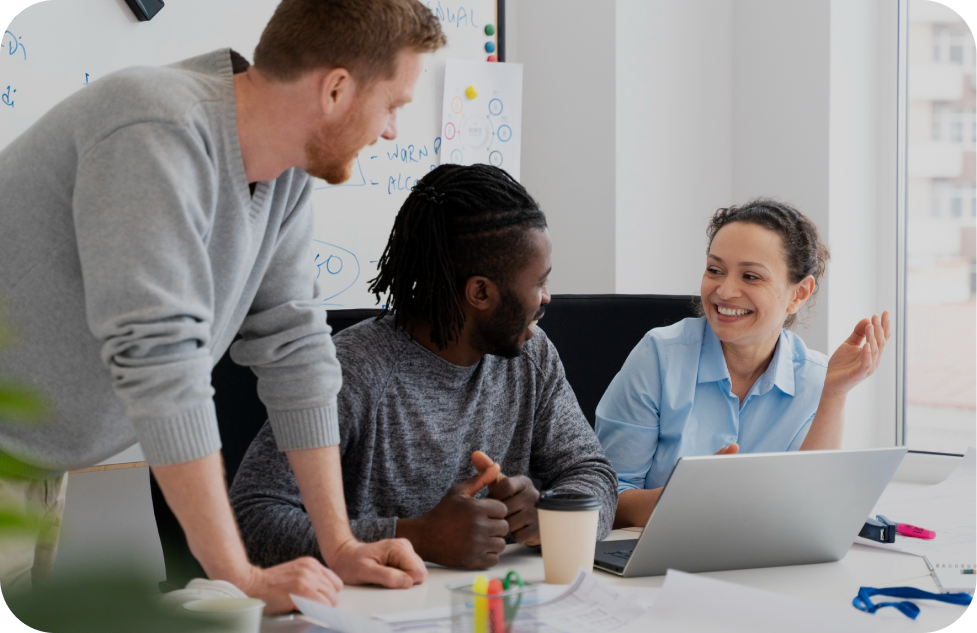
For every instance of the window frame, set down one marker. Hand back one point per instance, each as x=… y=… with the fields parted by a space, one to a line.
x=902 y=189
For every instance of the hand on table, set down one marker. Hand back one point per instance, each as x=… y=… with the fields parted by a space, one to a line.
x=519 y=496
x=858 y=357
x=390 y=563
x=461 y=531
x=305 y=577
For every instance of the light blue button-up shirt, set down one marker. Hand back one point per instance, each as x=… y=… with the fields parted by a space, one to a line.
x=673 y=398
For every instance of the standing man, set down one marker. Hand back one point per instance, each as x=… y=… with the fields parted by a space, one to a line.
x=157 y=214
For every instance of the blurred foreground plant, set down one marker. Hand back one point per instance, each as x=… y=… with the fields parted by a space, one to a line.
x=96 y=600
x=18 y=405
x=109 y=600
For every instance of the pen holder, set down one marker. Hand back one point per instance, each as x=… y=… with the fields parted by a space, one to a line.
x=512 y=611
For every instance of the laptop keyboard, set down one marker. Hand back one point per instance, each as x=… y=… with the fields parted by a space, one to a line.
x=614 y=560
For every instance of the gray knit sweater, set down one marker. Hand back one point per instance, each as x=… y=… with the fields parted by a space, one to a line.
x=131 y=254
x=409 y=422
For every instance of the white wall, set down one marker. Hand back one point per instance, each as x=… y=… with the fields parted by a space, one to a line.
x=780 y=117
x=108 y=518
x=674 y=138
x=568 y=161
x=861 y=196
x=716 y=102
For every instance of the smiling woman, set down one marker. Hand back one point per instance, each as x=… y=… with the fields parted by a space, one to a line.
x=735 y=378
x=790 y=239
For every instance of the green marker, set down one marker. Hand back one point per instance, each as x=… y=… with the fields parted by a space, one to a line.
x=489 y=29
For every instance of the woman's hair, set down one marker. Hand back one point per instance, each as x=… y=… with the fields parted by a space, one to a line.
x=458 y=222
x=804 y=252
x=362 y=36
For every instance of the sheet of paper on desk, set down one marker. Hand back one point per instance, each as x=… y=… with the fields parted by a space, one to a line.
x=588 y=606
x=693 y=602
x=948 y=508
x=335 y=619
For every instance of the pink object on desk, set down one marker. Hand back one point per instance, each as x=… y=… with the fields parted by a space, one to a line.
x=916 y=532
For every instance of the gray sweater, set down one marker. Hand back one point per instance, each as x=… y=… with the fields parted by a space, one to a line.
x=409 y=422
x=132 y=253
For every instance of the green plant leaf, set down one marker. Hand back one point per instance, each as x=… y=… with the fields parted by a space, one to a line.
x=16 y=522
x=20 y=404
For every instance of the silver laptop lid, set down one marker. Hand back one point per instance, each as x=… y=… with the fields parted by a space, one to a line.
x=762 y=510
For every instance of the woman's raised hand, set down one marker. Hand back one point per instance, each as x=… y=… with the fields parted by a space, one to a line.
x=857 y=358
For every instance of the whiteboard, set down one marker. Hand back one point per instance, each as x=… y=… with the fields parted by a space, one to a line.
x=54 y=48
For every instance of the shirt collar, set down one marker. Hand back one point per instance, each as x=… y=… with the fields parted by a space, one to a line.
x=780 y=372
x=712 y=363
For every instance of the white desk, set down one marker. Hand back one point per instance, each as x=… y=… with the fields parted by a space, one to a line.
x=835 y=583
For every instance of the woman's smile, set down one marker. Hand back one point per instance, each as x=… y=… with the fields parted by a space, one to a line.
x=729 y=314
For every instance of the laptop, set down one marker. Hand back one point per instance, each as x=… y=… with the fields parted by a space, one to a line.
x=755 y=510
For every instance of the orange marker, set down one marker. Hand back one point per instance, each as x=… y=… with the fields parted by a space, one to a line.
x=496 y=613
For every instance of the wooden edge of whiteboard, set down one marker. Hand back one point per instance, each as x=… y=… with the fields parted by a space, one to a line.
x=104 y=467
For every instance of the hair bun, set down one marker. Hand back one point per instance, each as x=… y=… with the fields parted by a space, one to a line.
x=428 y=192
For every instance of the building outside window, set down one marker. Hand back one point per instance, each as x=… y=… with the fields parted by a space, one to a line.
x=941 y=324
x=953 y=200
x=950 y=121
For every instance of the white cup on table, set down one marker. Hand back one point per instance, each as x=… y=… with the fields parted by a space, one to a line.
x=568 y=533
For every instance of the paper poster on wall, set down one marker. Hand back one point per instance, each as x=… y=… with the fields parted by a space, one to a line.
x=482 y=114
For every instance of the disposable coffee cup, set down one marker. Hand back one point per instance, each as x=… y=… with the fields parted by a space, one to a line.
x=240 y=615
x=568 y=534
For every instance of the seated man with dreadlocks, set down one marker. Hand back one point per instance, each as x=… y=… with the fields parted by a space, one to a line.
x=452 y=377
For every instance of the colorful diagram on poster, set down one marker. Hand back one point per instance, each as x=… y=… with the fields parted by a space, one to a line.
x=482 y=114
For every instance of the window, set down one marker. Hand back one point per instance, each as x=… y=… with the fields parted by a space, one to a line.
x=941 y=206
x=956 y=131
x=952 y=119
x=952 y=41
x=950 y=199
x=956 y=54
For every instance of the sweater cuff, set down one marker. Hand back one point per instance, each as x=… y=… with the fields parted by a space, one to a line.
x=373 y=530
x=180 y=438
x=305 y=428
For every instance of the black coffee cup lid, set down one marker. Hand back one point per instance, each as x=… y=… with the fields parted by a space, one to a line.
x=567 y=501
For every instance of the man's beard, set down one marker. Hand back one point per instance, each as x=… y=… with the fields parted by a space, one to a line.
x=330 y=153
x=501 y=334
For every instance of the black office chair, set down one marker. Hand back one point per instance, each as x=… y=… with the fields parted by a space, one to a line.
x=593 y=334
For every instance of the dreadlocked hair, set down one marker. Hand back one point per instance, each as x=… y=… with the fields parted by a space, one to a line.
x=458 y=222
